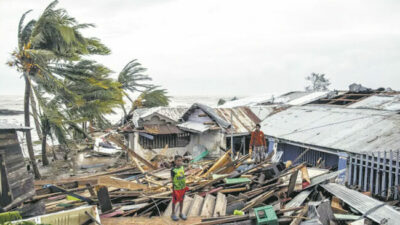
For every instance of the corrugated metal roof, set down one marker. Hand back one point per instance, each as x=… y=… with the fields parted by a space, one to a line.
x=194 y=127
x=243 y=119
x=172 y=113
x=374 y=209
x=162 y=129
x=6 y=126
x=300 y=97
x=209 y=111
x=263 y=111
x=381 y=102
x=250 y=101
x=297 y=201
x=352 y=130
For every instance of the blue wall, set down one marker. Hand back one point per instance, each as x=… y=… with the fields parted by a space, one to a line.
x=291 y=152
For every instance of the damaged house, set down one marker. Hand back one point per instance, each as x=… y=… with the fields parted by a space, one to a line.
x=206 y=127
x=16 y=184
x=360 y=128
x=153 y=129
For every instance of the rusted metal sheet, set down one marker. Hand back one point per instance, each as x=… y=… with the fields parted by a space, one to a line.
x=162 y=129
x=243 y=119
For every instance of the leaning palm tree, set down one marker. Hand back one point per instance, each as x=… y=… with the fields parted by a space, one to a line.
x=54 y=38
x=154 y=97
x=99 y=93
x=131 y=78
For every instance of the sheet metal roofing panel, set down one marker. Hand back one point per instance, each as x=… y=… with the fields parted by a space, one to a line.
x=381 y=102
x=250 y=101
x=309 y=97
x=172 y=113
x=194 y=127
x=374 y=209
x=352 y=130
x=243 y=119
x=261 y=111
x=7 y=126
x=297 y=201
x=209 y=111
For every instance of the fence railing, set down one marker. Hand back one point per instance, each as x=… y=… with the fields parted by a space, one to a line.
x=376 y=172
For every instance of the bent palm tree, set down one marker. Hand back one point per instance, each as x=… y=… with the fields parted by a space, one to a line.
x=154 y=97
x=54 y=38
x=131 y=78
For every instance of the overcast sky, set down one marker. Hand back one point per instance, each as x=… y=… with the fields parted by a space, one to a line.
x=229 y=47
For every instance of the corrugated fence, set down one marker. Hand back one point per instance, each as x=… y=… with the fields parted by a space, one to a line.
x=377 y=173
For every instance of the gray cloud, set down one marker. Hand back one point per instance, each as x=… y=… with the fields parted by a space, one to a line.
x=232 y=47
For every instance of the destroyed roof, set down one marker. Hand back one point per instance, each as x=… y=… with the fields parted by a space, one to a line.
x=171 y=113
x=6 y=126
x=263 y=111
x=380 y=102
x=243 y=119
x=209 y=111
x=336 y=128
x=195 y=127
x=371 y=208
x=249 y=101
x=300 y=97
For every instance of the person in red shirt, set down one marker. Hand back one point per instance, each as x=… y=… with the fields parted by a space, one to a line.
x=258 y=143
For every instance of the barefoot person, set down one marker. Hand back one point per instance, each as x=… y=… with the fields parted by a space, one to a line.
x=178 y=187
x=258 y=144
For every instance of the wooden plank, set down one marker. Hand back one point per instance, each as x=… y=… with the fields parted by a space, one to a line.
x=119 y=183
x=220 y=205
x=208 y=206
x=304 y=174
x=137 y=156
x=196 y=206
x=299 y=216
x=232 y=190
x=187 y=202
x=292 y=182
x=336 y=207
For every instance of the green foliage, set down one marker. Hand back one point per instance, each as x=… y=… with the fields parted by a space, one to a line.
x=154 y=98
x=69 y=89
x=132 y=76
x=9 y=216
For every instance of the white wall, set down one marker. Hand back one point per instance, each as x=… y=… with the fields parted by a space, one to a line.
x=210 y=139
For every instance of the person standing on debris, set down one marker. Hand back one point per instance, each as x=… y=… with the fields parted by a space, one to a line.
x=179 y=187
x=258 y=143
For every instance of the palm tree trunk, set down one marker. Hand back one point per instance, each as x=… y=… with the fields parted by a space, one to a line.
x=28 y=124
x=35 y=116
x=125 y=115
x=45 y=160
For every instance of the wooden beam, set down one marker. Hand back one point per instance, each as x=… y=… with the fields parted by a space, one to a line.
x=299 y=216
x=134 y=154
x=119 y=183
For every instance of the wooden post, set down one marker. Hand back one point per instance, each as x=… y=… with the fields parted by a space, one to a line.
x=104 y=199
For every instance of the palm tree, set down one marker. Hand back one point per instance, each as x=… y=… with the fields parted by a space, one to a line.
x=54 y=38
x=154 y=97
x=99 y=93
x=131 y=78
